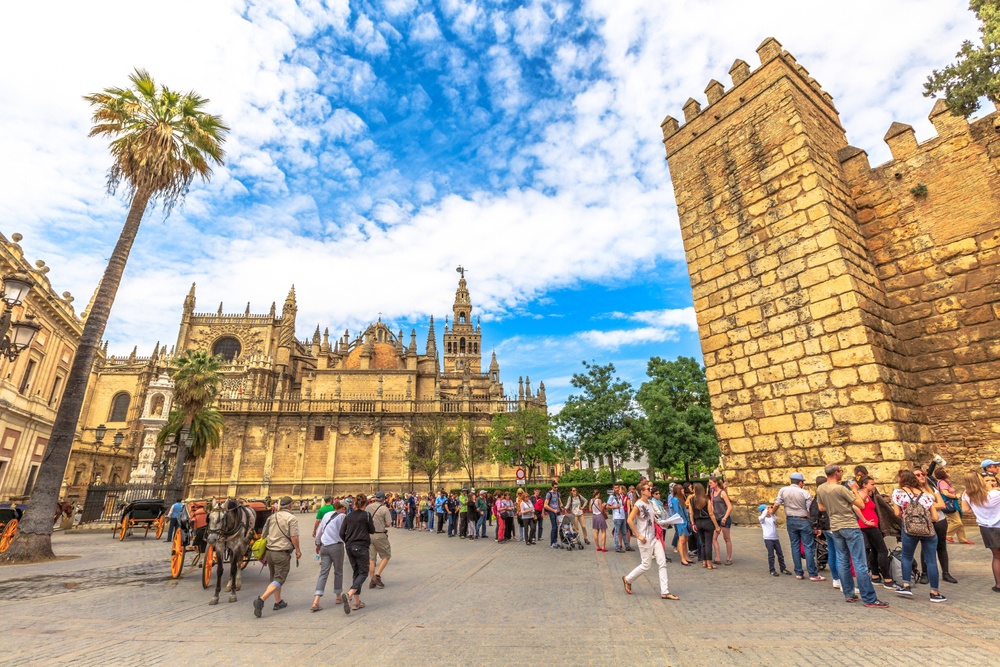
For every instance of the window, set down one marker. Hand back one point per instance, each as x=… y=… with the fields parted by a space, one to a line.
x=119 y=408
x=461 y=345
x=29 y=371
x=77 y=474
x=461 y=318
x=56 y=388
x=32 y=473
x=318 y=432
x=227 y=347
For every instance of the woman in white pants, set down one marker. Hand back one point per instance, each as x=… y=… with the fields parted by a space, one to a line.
x=641 y=521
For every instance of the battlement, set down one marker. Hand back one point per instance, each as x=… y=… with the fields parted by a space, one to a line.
x=775 y=64
x=234 y=318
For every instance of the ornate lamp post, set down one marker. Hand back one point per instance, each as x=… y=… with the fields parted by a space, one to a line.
x=98 y=439
x=15 y=336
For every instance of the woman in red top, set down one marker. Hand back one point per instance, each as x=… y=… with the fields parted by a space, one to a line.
x=878 y=553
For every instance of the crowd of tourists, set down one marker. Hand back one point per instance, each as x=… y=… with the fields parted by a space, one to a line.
x=844 y=525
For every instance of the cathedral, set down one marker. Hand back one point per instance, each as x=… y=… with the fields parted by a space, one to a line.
x=303 y=417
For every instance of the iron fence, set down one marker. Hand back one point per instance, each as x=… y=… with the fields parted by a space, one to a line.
x=104 y=502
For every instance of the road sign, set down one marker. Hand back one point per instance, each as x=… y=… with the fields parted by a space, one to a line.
x=519 y=474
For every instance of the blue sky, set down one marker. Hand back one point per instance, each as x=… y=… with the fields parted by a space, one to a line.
x=377 y=145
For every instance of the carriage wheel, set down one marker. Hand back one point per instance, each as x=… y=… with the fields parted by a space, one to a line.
x=9 y=531
x=159 y=528
x=124 y=527
x=208 y=566
x=177 y=554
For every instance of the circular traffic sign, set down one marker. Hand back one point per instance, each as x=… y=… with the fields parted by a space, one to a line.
x=520 y=473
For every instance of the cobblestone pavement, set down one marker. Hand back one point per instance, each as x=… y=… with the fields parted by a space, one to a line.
x=455 y=602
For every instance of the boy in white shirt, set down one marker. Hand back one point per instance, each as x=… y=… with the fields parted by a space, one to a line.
x=770 y=525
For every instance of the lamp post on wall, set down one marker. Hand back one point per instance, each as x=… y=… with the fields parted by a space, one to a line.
x=16 y=335
x=98 y=439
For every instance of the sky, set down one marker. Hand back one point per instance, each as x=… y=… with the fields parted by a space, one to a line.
x=376 y=146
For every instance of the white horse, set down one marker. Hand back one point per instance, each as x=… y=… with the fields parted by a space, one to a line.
x=230 y=529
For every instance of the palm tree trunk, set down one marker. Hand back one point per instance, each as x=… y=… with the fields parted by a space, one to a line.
x=177 y=481
x=34 y=538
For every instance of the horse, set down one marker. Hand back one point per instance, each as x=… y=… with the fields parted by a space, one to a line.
x=230 y=529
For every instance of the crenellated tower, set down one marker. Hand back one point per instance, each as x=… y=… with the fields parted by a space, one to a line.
x=462 y=341
x=842 y=309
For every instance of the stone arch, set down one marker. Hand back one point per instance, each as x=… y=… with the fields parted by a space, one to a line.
x=156 y=405
x=119 y=407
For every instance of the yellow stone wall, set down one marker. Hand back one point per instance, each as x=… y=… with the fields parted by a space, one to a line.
x=817 y=285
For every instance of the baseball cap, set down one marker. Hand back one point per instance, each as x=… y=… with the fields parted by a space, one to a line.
x=989 y=462
x=762 y=508
x=380 y=495
x=798 y=477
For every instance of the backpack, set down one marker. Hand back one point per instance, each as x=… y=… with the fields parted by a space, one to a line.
x=917 y=518
x=539 y=504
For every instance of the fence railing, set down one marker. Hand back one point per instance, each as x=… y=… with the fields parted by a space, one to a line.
x=372 y=405
x=104 y=502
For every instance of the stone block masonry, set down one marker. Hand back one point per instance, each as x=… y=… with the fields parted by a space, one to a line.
x=847 y=314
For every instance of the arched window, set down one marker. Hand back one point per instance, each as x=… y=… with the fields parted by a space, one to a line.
x=227 y=347
x=461 y=345
x=119 y=407
x=461 y=318
x=156 y=405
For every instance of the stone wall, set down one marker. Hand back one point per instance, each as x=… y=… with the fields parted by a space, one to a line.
x=842 y=318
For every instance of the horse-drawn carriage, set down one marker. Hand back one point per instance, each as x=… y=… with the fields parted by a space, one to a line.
x=261 y=514
x=190 y=537
x=10 y=516
x=148 y=513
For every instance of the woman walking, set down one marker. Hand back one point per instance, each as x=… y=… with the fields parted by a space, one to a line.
x=984 y=502
x=598 y=523
x=952 y=508
x=918 y=528
x=527 y=513
x=575 y=506
x=678 y=506
x=641 y=519
x=704 y=521
x=721 y=508
x=878 y=553
x=929 y=486
x=356 y=532
x=330 y=548
x=498 y=513
x=508 y=516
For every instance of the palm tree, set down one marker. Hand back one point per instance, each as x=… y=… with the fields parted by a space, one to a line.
x=196 y=386
x=160 y=140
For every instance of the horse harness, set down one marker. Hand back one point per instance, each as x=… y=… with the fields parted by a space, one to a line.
x=241 y=522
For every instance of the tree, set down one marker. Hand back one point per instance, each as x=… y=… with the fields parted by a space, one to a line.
x=599 y=422
x=431 y=446
x=976 y=73
x=160 y=140
x=678 y=425
x=471 y=448
x=520 y=437
x=196 y=386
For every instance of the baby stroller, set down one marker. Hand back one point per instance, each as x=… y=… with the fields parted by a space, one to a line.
x=822 y=552
x=569 y=539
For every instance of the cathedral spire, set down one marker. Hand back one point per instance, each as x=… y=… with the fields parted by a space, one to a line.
x=316 y=336
x=413 y=342
x=431 y=340
x=494 y=366
x=189 y=301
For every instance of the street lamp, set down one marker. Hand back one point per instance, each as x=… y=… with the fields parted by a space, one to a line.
x=15 y=336
x=98 y=439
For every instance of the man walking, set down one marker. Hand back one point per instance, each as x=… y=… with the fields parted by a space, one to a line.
x=617 y=507
x=796 y=501
x=553 y=507
x=439 y=510
x=322 y=512
x=463 y=513
x=282 y=533
x=379 y=547
x=452 y=506
x=839 y=502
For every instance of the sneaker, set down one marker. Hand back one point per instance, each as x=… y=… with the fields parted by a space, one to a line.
x=878 y=604
x=258 y=607
x=836 y=584
x=280 y=605
x=890 y=585
x=937 y=597
x=774 y=574
x=798 y=576
x=786 y=572
x=904 y=590
x=818 y=577
x=853 y=598
x=553 y=546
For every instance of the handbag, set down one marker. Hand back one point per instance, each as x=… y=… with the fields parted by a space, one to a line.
x=950 y=505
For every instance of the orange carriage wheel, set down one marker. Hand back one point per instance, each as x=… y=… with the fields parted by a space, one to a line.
x=124 y=528
x=9 y=531
x=208 y=566
x=159 y=527
x=177 y=554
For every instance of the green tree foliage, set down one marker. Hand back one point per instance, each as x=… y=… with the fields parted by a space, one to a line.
x=678 y=427
x=431 y=450
x=579 y=476
x=509 y=442
x=160 y=141
x=197 y=382
x=599 y=422
x=471 y=449
x=976 y=72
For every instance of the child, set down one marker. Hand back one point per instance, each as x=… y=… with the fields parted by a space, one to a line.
x=770 y=525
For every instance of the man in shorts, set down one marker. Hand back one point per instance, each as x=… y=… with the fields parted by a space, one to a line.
x=379 y=547
x=282 y=533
